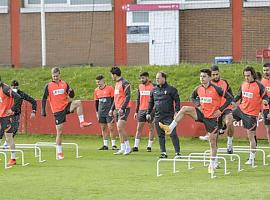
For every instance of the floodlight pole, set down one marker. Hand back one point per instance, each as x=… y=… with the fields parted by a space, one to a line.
x=43 y=33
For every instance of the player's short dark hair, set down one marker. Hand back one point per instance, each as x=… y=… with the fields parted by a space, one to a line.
x=163 y=74
x=55 y=70
x=14 y=83
x=99 y=77
x=266 y=65
x=116 y=71
x=144 y=74
x=207 y=71
x=214 y=68
x=251 y=70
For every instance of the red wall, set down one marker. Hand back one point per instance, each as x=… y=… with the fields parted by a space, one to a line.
x=45 y=125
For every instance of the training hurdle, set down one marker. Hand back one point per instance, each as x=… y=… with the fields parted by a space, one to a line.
x=221 y=154
x=243 y=150
x=16 y=150
x=37 y=150
x=190 y=159
x=53 y=144
x=257 y=147
x=5 y=160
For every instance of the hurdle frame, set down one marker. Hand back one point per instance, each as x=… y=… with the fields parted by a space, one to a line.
x=16 y=150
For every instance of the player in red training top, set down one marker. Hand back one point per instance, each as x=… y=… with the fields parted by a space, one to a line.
x=59 y=92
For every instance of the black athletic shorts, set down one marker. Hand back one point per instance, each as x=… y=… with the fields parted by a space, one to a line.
x=124 y=116
x=265 y=113
x=249 y=122
x=223 y=115
x=6 y=124
x=105 y=119
x=141 y=117
x=60 y=117
x=211 y=124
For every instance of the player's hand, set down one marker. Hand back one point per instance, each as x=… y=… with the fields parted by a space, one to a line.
x=33 y=114
x=135 y=115
x=217 y=113
x=110 y=113
x=9 y=112
x=148 y=117
x=71 y=93
x=97 y=115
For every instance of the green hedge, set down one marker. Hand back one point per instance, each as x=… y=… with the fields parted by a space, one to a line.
x=184 y=77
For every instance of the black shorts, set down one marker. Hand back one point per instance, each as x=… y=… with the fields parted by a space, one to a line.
x=6 y=124
x=225 y=113
x=124 y=116
x=60 y=117
x=265 y=113
x=249 y=122
x=141 y=117
x=211 y=124
x=105 y=120
x=223 y=116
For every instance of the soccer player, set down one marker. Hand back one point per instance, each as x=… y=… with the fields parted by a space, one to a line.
x=166 y=103
x=207 y=98
x=143 y=97
x=121 y=108
x=252 y=94
x=58 y=92
x=266 y=83
x=226 y=116
x=103 y=96
x=16 y=117
x=10 y=103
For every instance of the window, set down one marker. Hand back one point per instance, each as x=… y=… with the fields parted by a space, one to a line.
x=138 y=27
x=3 y=3
x=192 y=4
x=67 y=5
x=256 y=3
x=3 y=6
x=140 y=17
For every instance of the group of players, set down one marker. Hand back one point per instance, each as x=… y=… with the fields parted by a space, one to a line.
x=157 y=104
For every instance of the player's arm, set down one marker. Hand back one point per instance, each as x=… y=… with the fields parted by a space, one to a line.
x=126 y=87
x=263 y=94
x=195 y=98
x=226 y=95
x=44 y=101
x=151 y=103
x=17 y=99
x=137 y=101
x=176 y=99
x=30 y=99
x=70 y=92
x=238 y=96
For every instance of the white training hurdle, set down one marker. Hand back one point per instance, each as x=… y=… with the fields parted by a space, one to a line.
x=53 y=144
x=5 y=160
x=37 y=150
x=221 y=154
x=244 y=150
x=190 y=159
x=16 y=150
x=257 y=147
